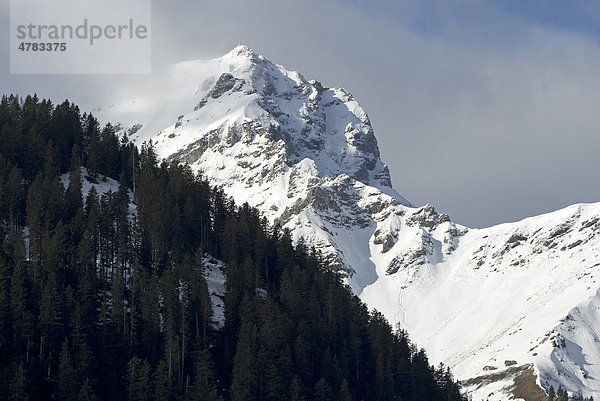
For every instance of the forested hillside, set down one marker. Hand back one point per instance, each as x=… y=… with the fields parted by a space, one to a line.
x=104 y=296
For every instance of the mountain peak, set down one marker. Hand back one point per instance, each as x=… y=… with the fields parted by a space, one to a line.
x=242 y=96
x=241 y=50
x=286 y=145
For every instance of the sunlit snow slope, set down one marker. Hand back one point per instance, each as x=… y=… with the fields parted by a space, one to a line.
x=306 y=156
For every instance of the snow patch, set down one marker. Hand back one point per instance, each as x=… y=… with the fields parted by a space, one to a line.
x=214 y=274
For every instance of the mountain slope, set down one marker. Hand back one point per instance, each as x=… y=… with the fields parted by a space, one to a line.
x=502 y=296
x=307 y=157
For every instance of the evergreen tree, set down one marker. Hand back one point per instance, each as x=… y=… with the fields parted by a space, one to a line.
x=246 y=374
x=68 y=383
x=74 y=196
x=14 y=190
x=295 y=393
x=551 y=394
x=86 y=393
x=204 y=385
x=323 y=391
x=139 y=381
x=51 y=318
x=163 y=389
x=561 y=394
x=5 y=315
x=18 y=385
x=21 y=304
x=344 y=392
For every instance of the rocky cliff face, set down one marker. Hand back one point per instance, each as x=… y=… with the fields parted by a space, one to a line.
x=307 y=157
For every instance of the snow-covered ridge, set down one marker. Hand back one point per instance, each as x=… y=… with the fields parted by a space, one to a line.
x=307 y=157
x=503 y=294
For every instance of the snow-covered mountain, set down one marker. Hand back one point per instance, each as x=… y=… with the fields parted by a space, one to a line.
x=307 y=157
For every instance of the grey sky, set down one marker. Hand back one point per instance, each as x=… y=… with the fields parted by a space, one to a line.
x=487 y=111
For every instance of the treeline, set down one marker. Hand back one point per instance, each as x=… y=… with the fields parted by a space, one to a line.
x=104 y=296
x=562 y=395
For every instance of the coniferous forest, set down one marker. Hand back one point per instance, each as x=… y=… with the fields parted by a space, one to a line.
x=104 y=296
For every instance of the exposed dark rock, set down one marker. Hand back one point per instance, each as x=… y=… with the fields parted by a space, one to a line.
x=135 y=128
x=200 y=104
x=516 y=237
x=225 y=83
x=591 y=222
x=394 y=265
x=560 y=230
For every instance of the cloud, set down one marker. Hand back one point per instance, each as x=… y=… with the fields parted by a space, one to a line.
x=484 y=112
